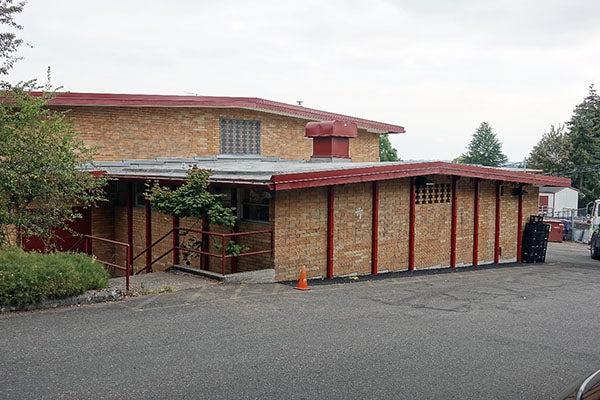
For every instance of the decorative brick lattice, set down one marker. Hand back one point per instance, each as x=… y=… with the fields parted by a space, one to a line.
x=239 y=136
x=433 y=194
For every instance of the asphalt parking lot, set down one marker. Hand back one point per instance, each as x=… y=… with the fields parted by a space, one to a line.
x=521 y=332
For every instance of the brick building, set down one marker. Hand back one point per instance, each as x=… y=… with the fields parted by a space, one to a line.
x=307 y=192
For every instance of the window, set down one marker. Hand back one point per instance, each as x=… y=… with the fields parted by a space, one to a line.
x=255 y=205
x=239 y=136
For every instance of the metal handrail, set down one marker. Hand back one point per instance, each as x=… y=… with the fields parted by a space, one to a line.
x=87 y=240
x=226 y=234
x=222 y=255
x=153 y=244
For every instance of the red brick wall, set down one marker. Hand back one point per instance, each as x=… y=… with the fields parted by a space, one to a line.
x=301 y=228
x=300 y=222
x=299 y=218
x=487 y=221
x=394 y=200
x=464 y=229
x=432 y=232
x=149 y=132
x=508 y=227
x=352 y=233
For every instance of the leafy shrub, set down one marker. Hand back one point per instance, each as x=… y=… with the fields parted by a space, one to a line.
x=27 y=278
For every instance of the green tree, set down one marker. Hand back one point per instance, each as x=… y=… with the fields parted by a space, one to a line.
x=41 y=157
x=552 y=153
x=584 y=137
x=386 y=151
x=484 y=148
x=9 y=42
x=193 y=199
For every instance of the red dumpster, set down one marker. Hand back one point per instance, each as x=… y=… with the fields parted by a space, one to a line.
x=556 y=231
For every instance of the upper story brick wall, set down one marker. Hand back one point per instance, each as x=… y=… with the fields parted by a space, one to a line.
x=149 y=132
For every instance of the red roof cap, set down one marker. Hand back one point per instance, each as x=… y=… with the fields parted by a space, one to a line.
x=252 y=103
x=331 y=129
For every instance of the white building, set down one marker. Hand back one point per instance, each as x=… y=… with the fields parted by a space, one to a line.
x=558 y=202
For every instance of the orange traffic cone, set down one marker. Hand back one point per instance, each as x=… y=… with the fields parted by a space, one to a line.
x=302 y=283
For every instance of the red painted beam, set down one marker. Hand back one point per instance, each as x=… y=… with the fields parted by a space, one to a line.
x=411 y=226
x=375 y=230
x=453 y=223
x=476 y=222
x=520 y=226
x=497 y=224
x=330 y=229
x=148 y=217
x=130 y=195
x=175 y=240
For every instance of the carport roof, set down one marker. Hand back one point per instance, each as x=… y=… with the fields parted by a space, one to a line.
x=277 y=174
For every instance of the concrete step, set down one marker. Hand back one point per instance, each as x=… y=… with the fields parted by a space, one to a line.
x=258 y=276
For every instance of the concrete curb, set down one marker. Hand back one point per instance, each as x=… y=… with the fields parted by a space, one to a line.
x=89 y=297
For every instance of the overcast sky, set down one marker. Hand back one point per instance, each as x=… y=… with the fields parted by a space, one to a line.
x=437 y=67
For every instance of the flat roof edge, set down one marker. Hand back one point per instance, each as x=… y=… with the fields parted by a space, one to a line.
x=299 y=180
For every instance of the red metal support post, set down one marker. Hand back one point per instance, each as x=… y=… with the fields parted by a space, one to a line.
x=272 y=242
x=476 y=222
x=520 y=225
x=223 y=259
x=497 y=224
x=148 y=217
x=234 y=204
x=128 y=266
x=205 y=245
x=86 y=245
x=330 y=229
x=130 y=195
x=175 y=240
x=453 y=223
x=375 y=229
x=411 y=226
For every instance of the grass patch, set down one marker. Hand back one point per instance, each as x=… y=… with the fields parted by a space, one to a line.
x=29 y=277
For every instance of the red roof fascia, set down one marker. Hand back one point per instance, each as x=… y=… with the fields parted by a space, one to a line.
x=384 y=172
x=145 y=100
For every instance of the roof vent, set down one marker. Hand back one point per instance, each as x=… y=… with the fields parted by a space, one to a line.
x=331 y=139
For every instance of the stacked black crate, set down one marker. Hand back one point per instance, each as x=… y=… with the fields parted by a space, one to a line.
x=535 y=240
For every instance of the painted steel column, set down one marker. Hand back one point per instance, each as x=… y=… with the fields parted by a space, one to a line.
x=234 y=239
x=330 y=229
x=130 y=195
x=520 y=226
x=476 y=222
x=148 y=217
x=175 y=240
x=497 y=224
x=375 y=229
x=205 y=244
x=453 y=224
x=411 y=226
